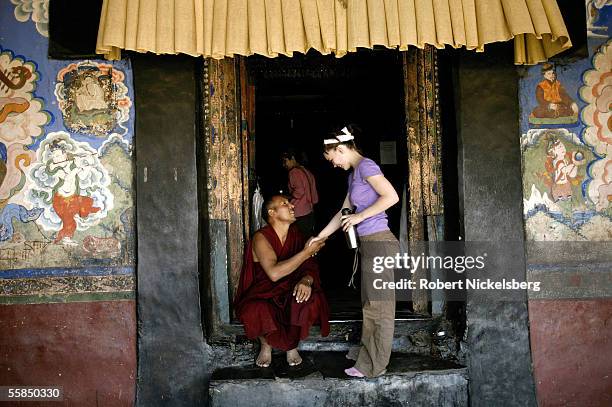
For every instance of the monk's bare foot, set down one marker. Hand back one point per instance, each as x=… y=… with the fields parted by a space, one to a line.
x=293 y=357
x=265 y=354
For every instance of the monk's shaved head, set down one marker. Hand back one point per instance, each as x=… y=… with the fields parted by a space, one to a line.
x=270 y=203
x=275 y=203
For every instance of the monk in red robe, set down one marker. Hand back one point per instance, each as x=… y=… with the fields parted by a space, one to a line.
x=279 y=294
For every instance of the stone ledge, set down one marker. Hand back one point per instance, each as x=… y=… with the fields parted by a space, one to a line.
x=320 y=381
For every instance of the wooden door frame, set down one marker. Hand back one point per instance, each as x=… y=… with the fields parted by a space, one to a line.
x=223 y=172
x=225 y=132
x=424 y=166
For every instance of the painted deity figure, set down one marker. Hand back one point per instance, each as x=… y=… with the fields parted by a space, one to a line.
x=66 y=198
x=90 y=95
x=553 y=100
x=562 y=167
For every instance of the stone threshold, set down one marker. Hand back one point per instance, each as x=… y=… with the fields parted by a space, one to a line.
x=331 y=365
x=320 y=381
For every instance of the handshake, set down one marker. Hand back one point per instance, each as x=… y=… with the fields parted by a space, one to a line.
x=313 y=245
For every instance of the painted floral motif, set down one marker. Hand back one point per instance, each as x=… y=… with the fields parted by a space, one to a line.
x=597 y=116
x=597 y=92
x=22 y=120
x=64 y=285
x=22 y=117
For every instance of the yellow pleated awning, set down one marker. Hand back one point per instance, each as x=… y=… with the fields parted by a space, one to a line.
x=224 y=28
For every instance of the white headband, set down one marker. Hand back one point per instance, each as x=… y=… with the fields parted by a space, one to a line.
x=346 y=136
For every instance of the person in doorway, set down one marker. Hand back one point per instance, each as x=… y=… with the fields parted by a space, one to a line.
x=371 y=193
x=279 y=294
x=303 y=190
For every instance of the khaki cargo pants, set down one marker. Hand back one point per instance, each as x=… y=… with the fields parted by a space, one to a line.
x=378 y=307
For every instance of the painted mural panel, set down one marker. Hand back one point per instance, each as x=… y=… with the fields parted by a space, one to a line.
x=66 y=177
x=566 y=140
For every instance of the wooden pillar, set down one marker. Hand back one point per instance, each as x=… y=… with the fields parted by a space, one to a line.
x=424 y=155
x=224 y=161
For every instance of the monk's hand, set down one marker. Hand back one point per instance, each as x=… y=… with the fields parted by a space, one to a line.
x=303 y=289
x=351 y=220
x=312 y=248
x=315 y=239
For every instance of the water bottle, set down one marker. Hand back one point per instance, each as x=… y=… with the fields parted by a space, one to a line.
x=351 y=233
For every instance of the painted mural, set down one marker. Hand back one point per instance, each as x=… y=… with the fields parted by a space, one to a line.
x=566 y=143
x=35 y=10
x=93 y=98
x=594 y=28
x=66 y=177
x=554 y=105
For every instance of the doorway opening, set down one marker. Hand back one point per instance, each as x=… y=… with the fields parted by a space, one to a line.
x=298 y=101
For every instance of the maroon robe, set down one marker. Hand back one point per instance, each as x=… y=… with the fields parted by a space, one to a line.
x=268 y=308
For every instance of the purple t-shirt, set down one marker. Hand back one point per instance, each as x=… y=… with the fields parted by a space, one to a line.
x=362 y=196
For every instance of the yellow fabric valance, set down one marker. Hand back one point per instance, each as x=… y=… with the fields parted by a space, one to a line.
x=224 y=28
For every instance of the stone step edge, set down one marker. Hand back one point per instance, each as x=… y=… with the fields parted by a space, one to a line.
x=462 y=371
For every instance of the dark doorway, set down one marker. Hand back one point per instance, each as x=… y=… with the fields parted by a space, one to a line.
x=301 y=99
